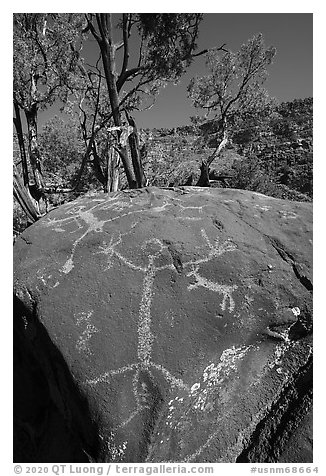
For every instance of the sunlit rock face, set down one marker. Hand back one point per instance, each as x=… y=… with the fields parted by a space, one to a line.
x=169 y=325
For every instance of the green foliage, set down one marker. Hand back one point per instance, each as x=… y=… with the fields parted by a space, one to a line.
x=170 y=40
x=45 y=56
x=262 y=161
x=279 y=162
x=251 y=174
x=234 y=83
x=163 y=46
x=62 y=148
x=231 y=97
x=173 y=156
x=295 y=119
x=274 y=142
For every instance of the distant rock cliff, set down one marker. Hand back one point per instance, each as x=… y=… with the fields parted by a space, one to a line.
x=164 y=325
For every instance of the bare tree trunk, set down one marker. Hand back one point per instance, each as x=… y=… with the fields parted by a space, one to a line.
x=20 y=136
x=34 y=153
x=135 y=154
x=203 y=180
x=107 y=173
x=108 y=58
x=98 y=169
x=219 y=149
x=112 y=170
x=115 y=173
x=23 y=197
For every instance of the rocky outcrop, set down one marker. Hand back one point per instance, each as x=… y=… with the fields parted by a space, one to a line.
x=165 y=325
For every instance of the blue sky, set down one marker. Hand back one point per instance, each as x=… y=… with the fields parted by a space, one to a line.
x=290 y=75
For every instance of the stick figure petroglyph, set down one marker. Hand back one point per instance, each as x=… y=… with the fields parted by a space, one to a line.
x=80 y=215
x=85 y=218
x=154 y=249
x=156 y=252
x=155 y=257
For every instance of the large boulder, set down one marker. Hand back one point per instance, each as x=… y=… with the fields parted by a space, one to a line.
x=166 y=325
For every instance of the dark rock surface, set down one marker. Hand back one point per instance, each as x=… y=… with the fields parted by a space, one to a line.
x=299 y=448
x=164 y=325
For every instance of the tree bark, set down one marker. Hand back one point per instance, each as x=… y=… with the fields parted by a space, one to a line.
x=219 y=149
x=108 y=58
x=135 y=154
x=20 y=136
x=23 y=197
x=98 y=169
x=113 y=170
x=34 y=153
x=203 y=180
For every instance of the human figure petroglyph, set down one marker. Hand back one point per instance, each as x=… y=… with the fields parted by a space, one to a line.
x=119 y=386
x=93 y=225
x=81 y=217
x=157 y=256
x=155 y=251
x=77 y=215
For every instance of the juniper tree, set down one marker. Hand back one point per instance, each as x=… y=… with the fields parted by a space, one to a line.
x=45 y=48
x=165 y=47
x=232 y=89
